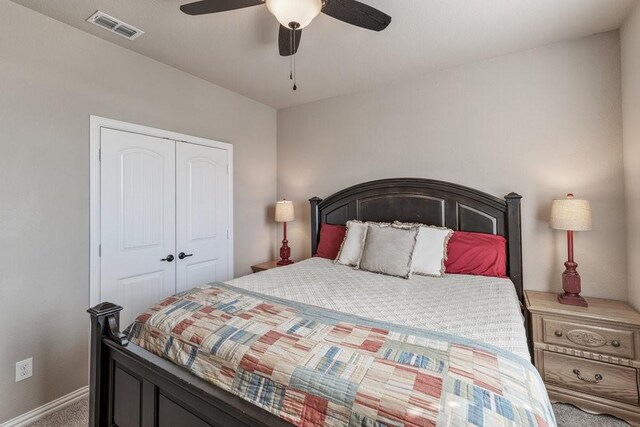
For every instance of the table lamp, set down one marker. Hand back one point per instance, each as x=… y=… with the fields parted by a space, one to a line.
x=284 y=214
x=571 y=214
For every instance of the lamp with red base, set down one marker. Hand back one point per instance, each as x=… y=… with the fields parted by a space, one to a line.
x=284 y=214
x=571 y=214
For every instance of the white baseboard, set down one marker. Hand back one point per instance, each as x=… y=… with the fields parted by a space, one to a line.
x=46 y=409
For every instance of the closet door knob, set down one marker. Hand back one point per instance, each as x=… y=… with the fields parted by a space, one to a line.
x=169 y=258
x=182 y=255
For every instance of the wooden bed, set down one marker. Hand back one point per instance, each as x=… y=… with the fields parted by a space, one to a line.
x=129 y=386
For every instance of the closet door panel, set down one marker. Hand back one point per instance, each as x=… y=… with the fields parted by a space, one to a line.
x=202 y=215
x=137 y=220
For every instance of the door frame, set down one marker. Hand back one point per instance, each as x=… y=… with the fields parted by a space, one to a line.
x=96 y=123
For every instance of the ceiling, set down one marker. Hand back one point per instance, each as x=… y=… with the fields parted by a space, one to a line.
x=238 y=49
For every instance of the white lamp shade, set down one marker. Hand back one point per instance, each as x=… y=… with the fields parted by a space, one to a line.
x=284 y=211
x=301 y=12
x=571 y=214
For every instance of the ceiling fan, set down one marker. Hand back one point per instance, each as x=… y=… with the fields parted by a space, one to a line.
x=294 y=15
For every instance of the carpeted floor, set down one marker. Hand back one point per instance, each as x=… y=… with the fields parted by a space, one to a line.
x=570 y=416
x=76 y=415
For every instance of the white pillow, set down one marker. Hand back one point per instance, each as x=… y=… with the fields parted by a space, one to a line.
x=430 y=251
x=353 y=243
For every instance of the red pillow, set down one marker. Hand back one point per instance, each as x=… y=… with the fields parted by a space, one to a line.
x=476 y=253
x=331 y=237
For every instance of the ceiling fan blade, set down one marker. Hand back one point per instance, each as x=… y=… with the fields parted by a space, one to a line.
x=285 y=39
x=355 y=13
x=214 y=6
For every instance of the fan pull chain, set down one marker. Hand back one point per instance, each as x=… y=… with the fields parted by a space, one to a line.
x=291 y=55
x=293 y=47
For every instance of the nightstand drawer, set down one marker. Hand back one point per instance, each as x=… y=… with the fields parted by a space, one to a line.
x=591 y=377
x=264 y=266
x=613 y=341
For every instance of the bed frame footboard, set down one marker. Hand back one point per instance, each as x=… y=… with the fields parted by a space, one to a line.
x=130 y=386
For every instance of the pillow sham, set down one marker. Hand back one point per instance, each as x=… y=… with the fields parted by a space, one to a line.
x=430 y=252
x=353 y=243
x=331 y=237
x=388 y=250
x=479 y=254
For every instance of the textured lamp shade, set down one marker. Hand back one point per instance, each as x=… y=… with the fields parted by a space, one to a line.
x=300 y=12
x=571 y=214
x=284 y=211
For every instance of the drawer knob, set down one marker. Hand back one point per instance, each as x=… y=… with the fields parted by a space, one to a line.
x=558 y=333
x=596 y=378
x=615 y=343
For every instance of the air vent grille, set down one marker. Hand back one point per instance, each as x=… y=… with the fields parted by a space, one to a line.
x=106 y=22
x=115 y=25
x=125 y=31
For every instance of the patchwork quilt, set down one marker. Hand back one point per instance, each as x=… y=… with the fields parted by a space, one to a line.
x=316 y=367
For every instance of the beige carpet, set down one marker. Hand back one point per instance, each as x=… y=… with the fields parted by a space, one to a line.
x=76 y=415
x=570 y=416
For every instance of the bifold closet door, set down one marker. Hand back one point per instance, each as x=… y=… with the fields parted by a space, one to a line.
x=202 y=215
x=137 y=220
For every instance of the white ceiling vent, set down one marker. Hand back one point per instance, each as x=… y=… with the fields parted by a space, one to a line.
x=114 y=25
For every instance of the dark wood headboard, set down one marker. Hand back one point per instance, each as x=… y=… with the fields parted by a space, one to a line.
x=429 y=202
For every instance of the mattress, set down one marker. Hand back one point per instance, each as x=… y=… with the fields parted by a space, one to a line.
x=476 y=307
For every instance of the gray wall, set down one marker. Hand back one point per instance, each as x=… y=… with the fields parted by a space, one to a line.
x=52 y=77
x=542 y=123
x=630 y=53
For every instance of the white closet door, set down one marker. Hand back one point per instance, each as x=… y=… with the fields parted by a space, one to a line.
x=138 y=228
x=202 y=215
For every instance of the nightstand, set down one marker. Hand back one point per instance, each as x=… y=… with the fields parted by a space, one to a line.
x=588 y=356
x=265 y=266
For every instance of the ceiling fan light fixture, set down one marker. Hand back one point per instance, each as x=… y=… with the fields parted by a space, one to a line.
x=299 y=12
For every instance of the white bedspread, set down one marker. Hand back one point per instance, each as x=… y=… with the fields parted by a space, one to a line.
x=482 y=308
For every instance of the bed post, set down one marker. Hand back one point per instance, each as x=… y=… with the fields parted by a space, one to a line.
x=315 y=223
x=514 y=229
x=105 y=319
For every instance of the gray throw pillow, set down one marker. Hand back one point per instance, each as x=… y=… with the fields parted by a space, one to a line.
x=388 y=250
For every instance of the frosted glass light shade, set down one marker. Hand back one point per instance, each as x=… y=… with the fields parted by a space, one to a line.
x=301 y=12
x=284 y=211
x=571 y=214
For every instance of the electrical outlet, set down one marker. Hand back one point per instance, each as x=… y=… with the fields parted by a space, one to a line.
x=24 y=369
